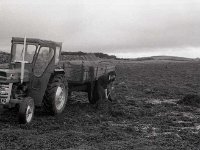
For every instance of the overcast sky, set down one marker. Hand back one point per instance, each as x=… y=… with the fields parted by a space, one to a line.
x=127 y=28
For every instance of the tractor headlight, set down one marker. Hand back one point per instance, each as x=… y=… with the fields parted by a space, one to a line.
x=4 y=89
x=5 y=93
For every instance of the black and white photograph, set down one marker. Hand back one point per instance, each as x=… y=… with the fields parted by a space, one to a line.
x=99 y=75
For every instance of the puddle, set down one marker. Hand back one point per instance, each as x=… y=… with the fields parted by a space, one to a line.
x=189 y=115
x=123 y=124
x=159 y=101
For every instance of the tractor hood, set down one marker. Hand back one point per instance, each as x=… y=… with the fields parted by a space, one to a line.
x=12 y=75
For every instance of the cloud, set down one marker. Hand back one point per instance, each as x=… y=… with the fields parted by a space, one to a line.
x=189 y=52
x=106 y=25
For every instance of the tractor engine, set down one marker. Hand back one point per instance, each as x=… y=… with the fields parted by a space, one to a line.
x=19 y=91
x=12 y=91
x=10 y=85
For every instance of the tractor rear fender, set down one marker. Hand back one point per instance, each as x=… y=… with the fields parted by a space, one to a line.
x=59 y=71
x=39 y=85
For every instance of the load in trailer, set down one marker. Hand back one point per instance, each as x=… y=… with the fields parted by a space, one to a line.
x=37 y=77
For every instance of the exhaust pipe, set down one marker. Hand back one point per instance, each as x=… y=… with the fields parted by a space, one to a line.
x=23 y=62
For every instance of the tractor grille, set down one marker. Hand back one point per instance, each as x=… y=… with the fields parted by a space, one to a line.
x=4 y=93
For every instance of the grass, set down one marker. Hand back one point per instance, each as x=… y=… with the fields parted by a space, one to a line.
x=143 y=115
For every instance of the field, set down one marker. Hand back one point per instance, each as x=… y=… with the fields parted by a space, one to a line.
x=143 y=115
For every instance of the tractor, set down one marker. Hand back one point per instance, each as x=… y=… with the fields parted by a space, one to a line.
x=36 y=76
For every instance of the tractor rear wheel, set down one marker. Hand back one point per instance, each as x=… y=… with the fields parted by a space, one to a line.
x=26 y=110
x=55 y=97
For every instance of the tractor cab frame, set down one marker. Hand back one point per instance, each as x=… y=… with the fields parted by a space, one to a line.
x=24 y=83
x=41 y=58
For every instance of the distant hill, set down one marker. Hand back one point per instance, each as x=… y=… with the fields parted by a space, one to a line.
x=102 y=55
x=172 y=58
x=4 y=57
x=77 y=56
x=82 y=54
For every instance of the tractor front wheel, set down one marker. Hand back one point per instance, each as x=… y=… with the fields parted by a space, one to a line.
x=26 y=110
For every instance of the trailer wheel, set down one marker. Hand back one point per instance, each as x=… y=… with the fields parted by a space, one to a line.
x=55 y=97
x=26 y=110
x=92 y=92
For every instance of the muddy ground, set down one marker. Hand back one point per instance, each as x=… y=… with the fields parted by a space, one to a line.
x=143 y=115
